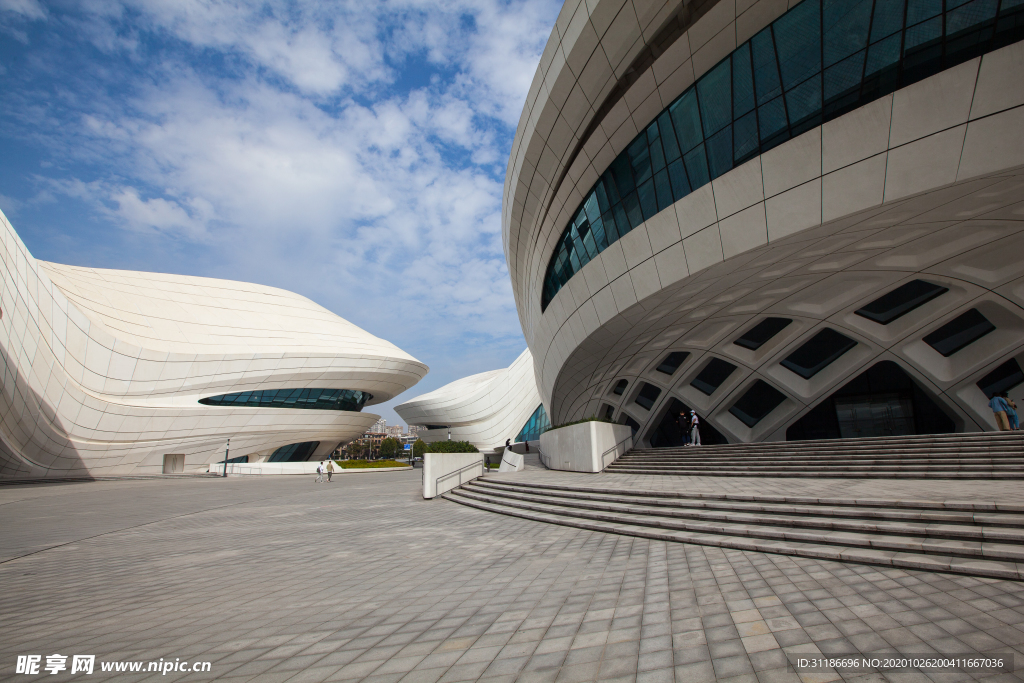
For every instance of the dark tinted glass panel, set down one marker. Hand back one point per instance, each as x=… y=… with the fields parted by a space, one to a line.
x=819 y=60
x=296 y=452
x=715 y=95
x=436 y=426
x=631 y=423
x=760 y=399
x=959 y=332
x=647 y=396
x=535 y=426
x=798 y=43
x=312 y=399
x=620 y=387
x=756 y=336
x=742 y=82
x=818 y=352
x=900 y=301
x=672 y=362
x=1005 y=377
x=607 y=412
x=712 y=376
x=846 y=25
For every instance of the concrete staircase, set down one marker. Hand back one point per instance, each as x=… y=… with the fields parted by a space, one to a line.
x=980 y=539
x=998 y=455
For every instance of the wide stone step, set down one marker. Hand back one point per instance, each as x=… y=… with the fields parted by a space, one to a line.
x=818 y=473
x=839 y=546
x=955 y=535
x=874 y=460
x=893 y=454
x=805 y=518
x=897 y=511
x=834 y=464
x=1001 y=439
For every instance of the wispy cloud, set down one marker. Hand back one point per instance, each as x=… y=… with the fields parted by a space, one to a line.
x=350 y=151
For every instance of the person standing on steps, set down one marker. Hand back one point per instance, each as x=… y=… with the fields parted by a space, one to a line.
x=695 y=429
x=1000 y=408
x=684 y=428
x=1011 y=413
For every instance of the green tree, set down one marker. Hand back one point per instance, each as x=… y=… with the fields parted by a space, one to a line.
x=355 y=449
x=389 y=448
x=419 y=448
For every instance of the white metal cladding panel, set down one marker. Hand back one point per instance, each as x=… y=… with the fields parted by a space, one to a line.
x=484 y=409
x=79 y=397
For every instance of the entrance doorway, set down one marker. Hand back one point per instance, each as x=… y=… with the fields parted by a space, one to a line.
x=174 y=463
x=668 y=432
x=881 y=401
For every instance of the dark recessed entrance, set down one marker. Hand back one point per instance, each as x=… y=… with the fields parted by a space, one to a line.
x=881 y=401
x=668 y=432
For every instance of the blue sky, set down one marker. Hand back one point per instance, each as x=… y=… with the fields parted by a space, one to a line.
x=353 y=152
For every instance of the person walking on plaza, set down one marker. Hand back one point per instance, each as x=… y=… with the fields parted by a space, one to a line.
x=684 y=428
x=1000 y=408
x=695 y=433
x=1011 y=412
x=330 y=470
x=319 y=473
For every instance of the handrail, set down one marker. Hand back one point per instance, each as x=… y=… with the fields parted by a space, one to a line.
x=437 y=482
x=628 y=438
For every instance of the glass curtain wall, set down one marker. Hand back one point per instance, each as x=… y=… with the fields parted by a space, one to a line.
x=535 y=426
x=819 y=60
x=311 y=399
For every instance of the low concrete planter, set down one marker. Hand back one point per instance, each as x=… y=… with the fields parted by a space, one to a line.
x=279 y=468
x=584 y=447
x=446 y=467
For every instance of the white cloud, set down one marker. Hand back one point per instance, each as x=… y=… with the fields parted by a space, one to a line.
x=353 y=152
x=29 y=9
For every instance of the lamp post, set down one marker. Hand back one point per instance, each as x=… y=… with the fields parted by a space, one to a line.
x=226 y=449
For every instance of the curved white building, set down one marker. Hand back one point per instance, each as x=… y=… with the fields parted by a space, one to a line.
x=109 y=372
x=801 y=219
x=485 y=409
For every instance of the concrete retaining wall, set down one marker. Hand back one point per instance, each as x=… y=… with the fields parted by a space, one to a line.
x=579 y=447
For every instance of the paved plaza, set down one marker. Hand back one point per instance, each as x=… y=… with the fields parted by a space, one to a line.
x=280 y=579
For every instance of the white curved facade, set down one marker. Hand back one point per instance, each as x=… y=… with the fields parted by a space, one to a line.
x=104 y=369
x=485 y=409
x=924 y=183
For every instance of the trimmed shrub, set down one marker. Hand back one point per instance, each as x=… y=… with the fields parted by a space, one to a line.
x=577 y=422
x=451 y=447
x=360 y=464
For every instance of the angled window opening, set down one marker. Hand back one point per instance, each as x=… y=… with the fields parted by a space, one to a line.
x=436 y=426
x=759 y=400
x=630 y=422
x=1005 y=377
x=295 y=452
x=756 y=336
x=672 y=362
x=607 y=412
x=647 y=396
x=309 y=399
x=712 y=376
x=818 y=352
x=900 y=301
x=959 y=332
x=620 y=387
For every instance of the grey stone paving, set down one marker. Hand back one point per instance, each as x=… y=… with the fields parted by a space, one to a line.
x=280 y=579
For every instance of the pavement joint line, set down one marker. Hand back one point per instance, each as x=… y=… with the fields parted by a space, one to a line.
x=136 y=526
